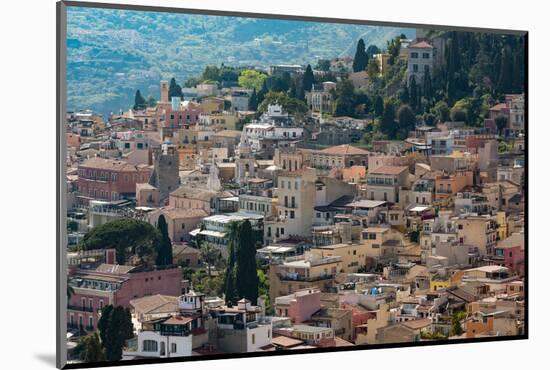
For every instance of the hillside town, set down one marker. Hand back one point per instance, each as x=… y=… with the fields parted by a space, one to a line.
x=369 y=199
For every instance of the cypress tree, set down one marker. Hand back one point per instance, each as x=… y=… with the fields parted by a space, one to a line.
x=371 y=50
x=119 y=330
x=504 y=83
x=253 y=101
x=116 y=328
x=378 y=106
x=387 y=125
x=428 y=91
x=452 y=67
x=174 y=89
x=413 y=93
x=308 y=79
x=164 y=250
x=361 y=59
x=245 y=272
x=229 y=281
x=404 y=96
x=139 y=101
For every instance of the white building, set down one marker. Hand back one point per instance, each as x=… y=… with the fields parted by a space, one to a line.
x=420 y=61
x=296 y=202
x=165 y=338
x=240 y=328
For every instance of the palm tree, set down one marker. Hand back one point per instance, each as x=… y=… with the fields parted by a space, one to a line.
x=70 y=292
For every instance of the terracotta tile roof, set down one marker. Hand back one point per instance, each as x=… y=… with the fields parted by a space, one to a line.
x=388 y=170
x=417 y=324
x=178 y=320
x=498 y=107
x=111 y=164
x=155 y=304
x=344 y=149
x=421 y=45
x=198 y=193
x=286 y=342
x=174 y=213
x=339 y=342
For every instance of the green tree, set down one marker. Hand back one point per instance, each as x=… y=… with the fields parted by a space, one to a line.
x=378 y=106
x=89 y=349
x=404 y=95
x=128 y=236
x=164 y=249
x=373 y=69
x=427 y=86
x=291 y=105
x=394 y=47
x=371 y=50
x=139 y=101
x=456 y=323
x=230 y=290
x=413 y=88
x=501 y=122
x=361 y=59
x=246 y=276
x=441 y=110
x=344 y=104
x=253 y=101
x=323 y=65
x=209 y=254
x=174 y=89
x=308 y=79
x=452 y=69
x=506 y=73
x=103 y=323
x=406 y=119
x=116 y=329
x=252 y=79
x=387 y=124
x=151 y=101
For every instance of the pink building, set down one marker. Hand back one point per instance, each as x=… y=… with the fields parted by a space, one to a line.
x=359 y=318
x=299 y=306
x=510 y=253
x=109 y=179
x=116 y=285
x=182 y=118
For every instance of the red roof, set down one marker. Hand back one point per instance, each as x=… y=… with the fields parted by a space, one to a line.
x=421 y=45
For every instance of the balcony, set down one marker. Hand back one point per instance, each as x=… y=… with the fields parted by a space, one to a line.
x=80 y=308
x=296 y=277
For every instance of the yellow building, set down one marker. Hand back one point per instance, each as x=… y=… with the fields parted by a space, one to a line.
x=354 y=256
x=502 y=225
x=437 y=283
x=301 y=272
x=383 y=62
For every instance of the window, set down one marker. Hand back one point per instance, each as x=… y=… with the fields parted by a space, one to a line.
x=426 y=69
x=282 y=231
x=253 y=338
x=425 y=55
x=91 y=322
x=173 y=348
x=150 y=345
x=415 y=67
x=414 y=55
